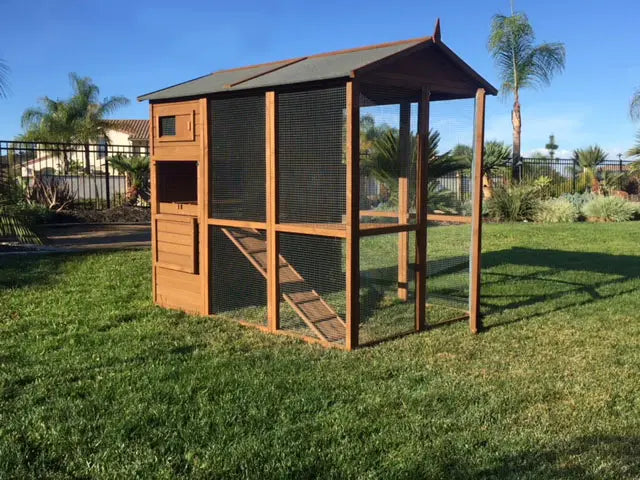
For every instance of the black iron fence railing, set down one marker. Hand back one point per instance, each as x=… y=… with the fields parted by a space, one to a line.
x=78 y=175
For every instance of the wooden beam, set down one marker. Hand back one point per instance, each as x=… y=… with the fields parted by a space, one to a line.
x=353 y=215
x=321 y=229
x=273 y=243
x=475 y=322
x=404 y=154
x=368 y=229
x=421 y=209
x=222 y=222
x=203 y=200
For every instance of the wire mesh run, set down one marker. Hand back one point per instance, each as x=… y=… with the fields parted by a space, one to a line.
x=387 y=299
x=311 y=156
x=237 y=274
x=312 y=286
x=388 y=154
x=449 y=207
x=238 y=158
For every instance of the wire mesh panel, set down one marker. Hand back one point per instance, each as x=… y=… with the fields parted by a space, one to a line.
x=312 y=286
x=311 y=156
x=388 y=127
x=237 y=274
x=238 y=158
x=383 y=313
x=449 y=207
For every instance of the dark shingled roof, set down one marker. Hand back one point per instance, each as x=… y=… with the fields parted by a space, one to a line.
x=327 y=66
x=137 y=129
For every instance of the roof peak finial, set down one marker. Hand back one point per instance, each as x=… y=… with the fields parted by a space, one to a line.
x=436 y=33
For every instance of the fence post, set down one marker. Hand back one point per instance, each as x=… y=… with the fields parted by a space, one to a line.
x=573 y=176
x=106 y=175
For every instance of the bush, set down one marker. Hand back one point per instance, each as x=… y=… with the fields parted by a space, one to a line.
x=610 y=209
x=513 y=204
x=578 y=200
x=557 y=210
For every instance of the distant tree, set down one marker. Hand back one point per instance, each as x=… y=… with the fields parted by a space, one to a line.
x=521 y=63
x=80 y=119
x=552 y=146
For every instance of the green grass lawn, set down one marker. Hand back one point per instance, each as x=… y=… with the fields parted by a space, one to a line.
x=97 y=382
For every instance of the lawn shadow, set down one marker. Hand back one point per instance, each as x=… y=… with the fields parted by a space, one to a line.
x=549 y=263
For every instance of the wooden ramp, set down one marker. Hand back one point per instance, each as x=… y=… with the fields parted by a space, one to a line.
x=304 y=300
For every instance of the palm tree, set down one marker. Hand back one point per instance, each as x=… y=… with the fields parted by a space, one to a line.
x=383 y=161
x=521 y=63
x=80 y=119
x=136 y=169
x=589 y=159
x=634 y=107
x=635 y=150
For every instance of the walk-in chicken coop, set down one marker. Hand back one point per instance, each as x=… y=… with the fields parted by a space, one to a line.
x=294 y=196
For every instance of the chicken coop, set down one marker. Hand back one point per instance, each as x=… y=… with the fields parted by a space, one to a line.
x=262 y=203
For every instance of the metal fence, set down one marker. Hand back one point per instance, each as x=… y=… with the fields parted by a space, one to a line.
x=563 y=175
x=78 y=174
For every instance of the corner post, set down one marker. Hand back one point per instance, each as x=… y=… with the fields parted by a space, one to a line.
x=203 y=201
x=153 y=181
x=273 y=242
x=475 y=322
x=403 y=200
x=421 y=208
x=353 y=215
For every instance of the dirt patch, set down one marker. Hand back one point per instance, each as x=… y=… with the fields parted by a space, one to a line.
x=122 y=214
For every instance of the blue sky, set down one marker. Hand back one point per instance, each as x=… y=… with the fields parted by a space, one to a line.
x=132 y=47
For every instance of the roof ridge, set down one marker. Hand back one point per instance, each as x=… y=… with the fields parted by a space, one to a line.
x=327 y=54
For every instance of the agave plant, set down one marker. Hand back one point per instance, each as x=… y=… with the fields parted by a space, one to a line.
x=136 y=169
x=590 y=159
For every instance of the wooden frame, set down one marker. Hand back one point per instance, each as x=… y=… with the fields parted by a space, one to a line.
x=475 y=321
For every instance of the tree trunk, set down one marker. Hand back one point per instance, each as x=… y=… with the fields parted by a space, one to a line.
x=516 y=121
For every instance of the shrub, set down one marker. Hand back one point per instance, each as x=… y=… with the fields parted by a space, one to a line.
x=578 y=200
x=513 y=204
x=557 y=210
x=610 y=209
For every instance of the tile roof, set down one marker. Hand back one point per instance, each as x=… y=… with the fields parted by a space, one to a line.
x=137 y=129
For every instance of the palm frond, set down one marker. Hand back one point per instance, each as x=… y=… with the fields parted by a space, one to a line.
x=4 y=79
x=634 y=107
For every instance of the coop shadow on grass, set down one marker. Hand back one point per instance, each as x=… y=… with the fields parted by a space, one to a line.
x=543 y=266
x=583 y=458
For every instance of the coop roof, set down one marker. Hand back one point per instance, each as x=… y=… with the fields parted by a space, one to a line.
x=460 y=80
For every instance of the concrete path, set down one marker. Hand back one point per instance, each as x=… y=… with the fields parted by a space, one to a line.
x=89 y=237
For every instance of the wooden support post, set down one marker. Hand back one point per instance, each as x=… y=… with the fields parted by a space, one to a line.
x=475 y=322
x=153 y=180
x=404 y=155
x=421 y=209
x=353 y=215
x=203 y=201
x=273 y=243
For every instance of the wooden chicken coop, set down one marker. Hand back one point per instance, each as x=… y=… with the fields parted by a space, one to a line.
x=257 y=210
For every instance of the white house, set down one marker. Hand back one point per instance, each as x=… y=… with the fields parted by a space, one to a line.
x=128 y=137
